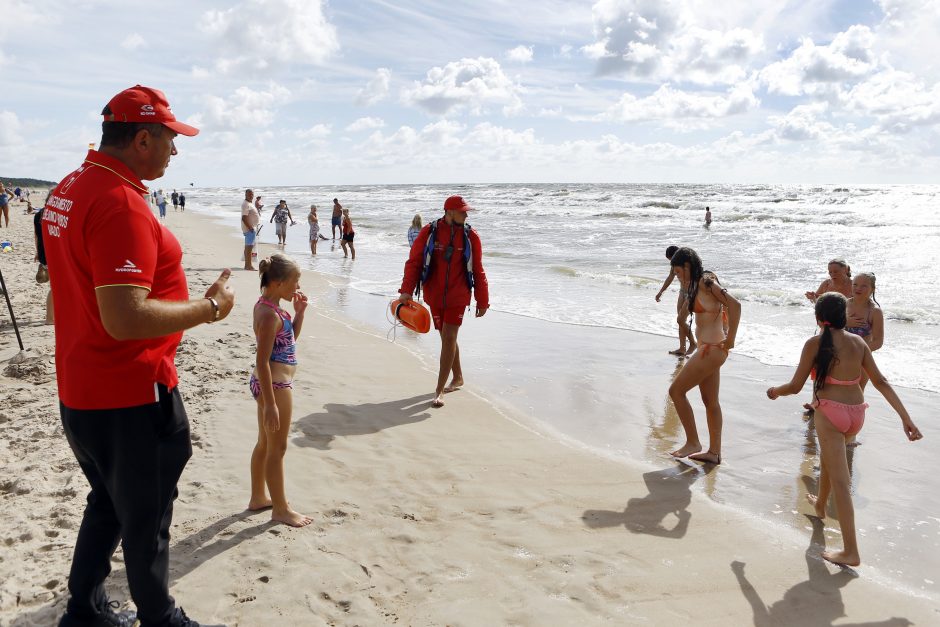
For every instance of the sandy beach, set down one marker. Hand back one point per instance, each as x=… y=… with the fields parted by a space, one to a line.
x=474 y=514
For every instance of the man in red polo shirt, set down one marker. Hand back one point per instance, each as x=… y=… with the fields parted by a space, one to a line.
x=447 y=260
x=122 y=305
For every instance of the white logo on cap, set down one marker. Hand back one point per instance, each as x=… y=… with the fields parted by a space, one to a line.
x=147 y=108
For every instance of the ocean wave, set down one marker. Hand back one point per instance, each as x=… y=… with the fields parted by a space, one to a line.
x=664 y=204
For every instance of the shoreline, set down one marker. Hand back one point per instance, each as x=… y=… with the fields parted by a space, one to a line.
x=419 y=514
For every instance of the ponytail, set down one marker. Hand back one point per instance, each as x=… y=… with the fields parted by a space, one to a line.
x=277 y=267
x=830 y=312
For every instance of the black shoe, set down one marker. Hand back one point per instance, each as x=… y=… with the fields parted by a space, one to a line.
x=106 y=617
x=179 y=619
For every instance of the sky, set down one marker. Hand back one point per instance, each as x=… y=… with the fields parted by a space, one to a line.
x=308 y=92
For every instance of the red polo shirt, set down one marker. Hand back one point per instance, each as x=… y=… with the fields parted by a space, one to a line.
x=99 y=231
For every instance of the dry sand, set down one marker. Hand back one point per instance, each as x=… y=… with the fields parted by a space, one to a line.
x=461 y=516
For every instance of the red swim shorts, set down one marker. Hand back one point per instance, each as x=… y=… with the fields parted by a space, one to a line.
x=452 y=315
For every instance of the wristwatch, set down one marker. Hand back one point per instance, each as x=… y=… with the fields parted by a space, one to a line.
x=215 y=306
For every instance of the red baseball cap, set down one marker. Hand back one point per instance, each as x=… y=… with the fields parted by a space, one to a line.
x=146 y=105
x=457 y=203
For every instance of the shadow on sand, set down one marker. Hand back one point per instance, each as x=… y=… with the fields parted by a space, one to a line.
x=185 y=556
x=816 y=602
x=670 y=492
x=319 y=429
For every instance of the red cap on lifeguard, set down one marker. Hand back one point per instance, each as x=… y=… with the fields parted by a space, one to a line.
x=457 y=203
x=146 y=105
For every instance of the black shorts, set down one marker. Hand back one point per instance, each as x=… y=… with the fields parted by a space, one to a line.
x=349 y=237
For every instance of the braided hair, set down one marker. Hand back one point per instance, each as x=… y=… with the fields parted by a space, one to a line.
x=830 y=311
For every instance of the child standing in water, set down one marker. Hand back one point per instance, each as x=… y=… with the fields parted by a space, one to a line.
x=682 y=309
x=314 y=223
x=271 y=384
x=840 y=359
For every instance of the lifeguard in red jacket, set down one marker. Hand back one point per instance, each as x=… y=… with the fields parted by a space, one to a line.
x=446 y=261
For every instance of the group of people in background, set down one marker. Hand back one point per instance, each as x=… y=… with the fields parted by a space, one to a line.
x=158 y=198
x=838 y=358
x=252 y=208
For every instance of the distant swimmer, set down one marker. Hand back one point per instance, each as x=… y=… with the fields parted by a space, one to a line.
x=682 y=309
x=840 y=359
x=447 y=261
x=710 y=303
x=708 y=216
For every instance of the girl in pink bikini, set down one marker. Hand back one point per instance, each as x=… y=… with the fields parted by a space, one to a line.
x=840 y=359
x=272 y=384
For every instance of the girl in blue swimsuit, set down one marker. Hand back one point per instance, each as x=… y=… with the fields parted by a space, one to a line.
x=271 y=384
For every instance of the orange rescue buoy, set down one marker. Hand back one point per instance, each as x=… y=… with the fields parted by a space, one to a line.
x=412 y=315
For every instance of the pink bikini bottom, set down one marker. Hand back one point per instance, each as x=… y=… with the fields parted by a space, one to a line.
x=846 y=418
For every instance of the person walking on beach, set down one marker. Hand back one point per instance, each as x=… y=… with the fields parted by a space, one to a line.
x=314 y=223
x=161 y=204
x=5 y=204
x=712 y=305
x=271 y=384
x=840 y=359
x=682 y=309
x=349 y=234
x=708 y=216
x=175 y=198
x=337 y=220
x=280 y=216
x=414 y=229
x=123 y=303
x=447 y=261
x=182 y=202
x=249 y=224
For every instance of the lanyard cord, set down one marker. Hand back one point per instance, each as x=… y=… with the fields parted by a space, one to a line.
x=118 y=174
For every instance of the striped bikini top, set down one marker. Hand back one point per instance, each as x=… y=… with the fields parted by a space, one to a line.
x=285 y=349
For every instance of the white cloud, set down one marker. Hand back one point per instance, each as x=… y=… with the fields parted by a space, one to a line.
x=471 y=84
x=365 y=123
x=667 y=103
x=811 y=68
x=661 y=40
x=802 y=123
x=376 y=89
x=133 y=42
x=898 y=100
x=317 y=131
x=263 y=34
x=10 y=128
x=520 y=54
x=199 y=72
x=244 y=109
x=565 y=51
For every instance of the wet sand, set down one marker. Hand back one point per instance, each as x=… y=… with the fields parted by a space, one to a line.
x=476 y=514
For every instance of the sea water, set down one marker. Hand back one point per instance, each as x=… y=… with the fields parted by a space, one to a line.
x=594 y=255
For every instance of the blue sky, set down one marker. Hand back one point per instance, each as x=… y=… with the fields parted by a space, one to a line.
x=300 y=92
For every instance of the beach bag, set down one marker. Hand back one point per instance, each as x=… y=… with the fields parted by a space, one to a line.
x=42 y=274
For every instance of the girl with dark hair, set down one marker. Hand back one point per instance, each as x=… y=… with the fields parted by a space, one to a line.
x=712 y=305
x=682 y=309
x=840 y=359
x=272 y=384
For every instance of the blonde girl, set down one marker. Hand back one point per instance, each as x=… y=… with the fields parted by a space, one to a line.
x=314 y=223
x=271 y=384
x=414 y=229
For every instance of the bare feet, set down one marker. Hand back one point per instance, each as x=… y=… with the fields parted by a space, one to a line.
x=820 y=508
x=455 y=385
x=809 y=408
x=687 y=450
x=256 y=505
x=708 y=457
x=852 y=441
x=841 y=558
x=250 y=268
x=292 y=518
x=679 y=352
x=692 y=347
x=438 y=400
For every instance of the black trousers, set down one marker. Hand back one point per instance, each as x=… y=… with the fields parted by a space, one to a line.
x=133 y=458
